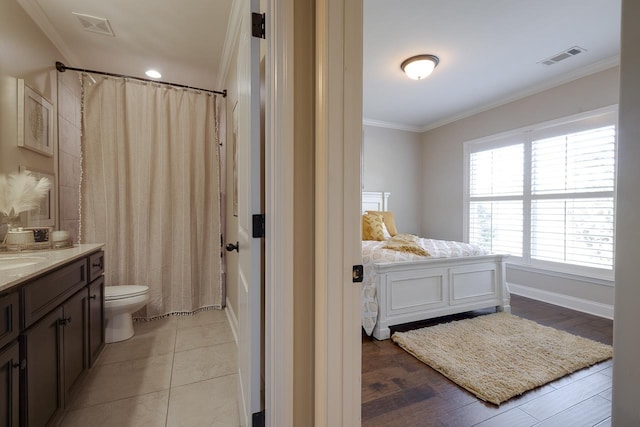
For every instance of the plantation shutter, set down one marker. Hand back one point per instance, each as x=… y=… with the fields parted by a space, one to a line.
x=546 y=194
x=496 y=208
x=572 y=207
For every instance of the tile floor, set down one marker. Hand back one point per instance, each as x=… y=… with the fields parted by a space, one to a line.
x=177 y=371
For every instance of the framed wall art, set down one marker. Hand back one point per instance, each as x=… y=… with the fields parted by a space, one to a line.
x=35 y=120
x=44 y=215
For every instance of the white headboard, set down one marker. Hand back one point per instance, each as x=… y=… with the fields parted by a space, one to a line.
x=375 y=201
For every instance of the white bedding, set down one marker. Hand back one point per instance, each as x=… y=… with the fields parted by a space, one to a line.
x=373 y=252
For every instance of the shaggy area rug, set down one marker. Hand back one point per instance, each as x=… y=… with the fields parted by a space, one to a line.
x=499 y=356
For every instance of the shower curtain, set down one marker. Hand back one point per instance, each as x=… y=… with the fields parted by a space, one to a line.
x=150 y=190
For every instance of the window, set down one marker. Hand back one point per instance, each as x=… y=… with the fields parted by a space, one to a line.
x=495 y=209
x=546 y=194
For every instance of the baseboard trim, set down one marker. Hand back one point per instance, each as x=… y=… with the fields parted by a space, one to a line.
x=233 y=320
x=573 y=303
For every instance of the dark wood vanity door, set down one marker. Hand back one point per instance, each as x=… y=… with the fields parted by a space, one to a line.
x=42 y=347
x=9 y=327
x=96 y=319
x=74 y=332
x=9 y=385
x=46 y=293
x=96 y=265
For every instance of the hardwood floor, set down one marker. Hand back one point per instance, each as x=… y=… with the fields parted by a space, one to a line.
x=398 y=390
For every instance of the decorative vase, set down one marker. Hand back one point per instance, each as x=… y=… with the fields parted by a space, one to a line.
x=6 y=223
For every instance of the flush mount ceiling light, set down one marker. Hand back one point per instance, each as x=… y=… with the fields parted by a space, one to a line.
x=420 y=66
x=153 y=74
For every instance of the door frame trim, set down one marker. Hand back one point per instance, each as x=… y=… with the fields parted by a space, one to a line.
x=339 y=119
x=279 y=209
x=338 y=196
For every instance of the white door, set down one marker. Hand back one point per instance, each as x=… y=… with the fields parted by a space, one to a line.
x=250 y=252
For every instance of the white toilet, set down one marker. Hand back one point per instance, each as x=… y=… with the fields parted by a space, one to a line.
x=120 y=302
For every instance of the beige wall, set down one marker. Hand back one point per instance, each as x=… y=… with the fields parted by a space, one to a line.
x=392 y=163
x=26 y=53
x=443 y=166
x=626 y=369
x=443 y=147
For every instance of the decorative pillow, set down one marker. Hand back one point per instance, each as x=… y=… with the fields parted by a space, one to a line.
x=372 y=227
x=385 y=232
x=387 y=217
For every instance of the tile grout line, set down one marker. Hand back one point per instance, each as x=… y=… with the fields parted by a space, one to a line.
x=173 y=361
x=204 y=346
x=173 y=352
x=209 y=379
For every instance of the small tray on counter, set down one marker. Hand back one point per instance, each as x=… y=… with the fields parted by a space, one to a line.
x=37 y=246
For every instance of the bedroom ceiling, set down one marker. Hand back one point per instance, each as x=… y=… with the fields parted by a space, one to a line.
x=490 y=50
x=490 y=53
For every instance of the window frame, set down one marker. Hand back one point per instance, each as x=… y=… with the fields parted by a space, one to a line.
x=583 y=121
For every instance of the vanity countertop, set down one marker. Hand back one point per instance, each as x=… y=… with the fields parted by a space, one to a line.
x=18 y=267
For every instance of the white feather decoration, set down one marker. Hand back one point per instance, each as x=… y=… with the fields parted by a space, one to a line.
x=23 y=192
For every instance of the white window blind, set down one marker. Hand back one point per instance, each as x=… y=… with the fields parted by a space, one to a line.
x=496 y=187
x=549 y=200
x=573 y=231
x=497 y=226
x=578 y=162
x=497 y=172
x=573 y=223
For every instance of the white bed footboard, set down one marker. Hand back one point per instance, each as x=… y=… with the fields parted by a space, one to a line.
x=421 y=290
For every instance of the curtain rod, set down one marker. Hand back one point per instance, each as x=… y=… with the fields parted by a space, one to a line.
x=62 y=68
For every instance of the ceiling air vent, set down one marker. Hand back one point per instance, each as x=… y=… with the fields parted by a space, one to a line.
x=573 y=51
x=94 y=24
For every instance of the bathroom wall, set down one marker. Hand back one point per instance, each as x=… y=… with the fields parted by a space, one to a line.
x=25 y=53
x=69 y=151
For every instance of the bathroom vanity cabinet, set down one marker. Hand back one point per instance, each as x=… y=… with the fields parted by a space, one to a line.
x=9 y=360
x=96 y=306
x=58 y=334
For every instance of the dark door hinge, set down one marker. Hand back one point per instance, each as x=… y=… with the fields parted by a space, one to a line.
x=257 y=419
x=257 y=25
x=358 y=273
x=258 y=226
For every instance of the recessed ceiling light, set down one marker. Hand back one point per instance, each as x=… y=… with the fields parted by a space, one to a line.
x=153 y=74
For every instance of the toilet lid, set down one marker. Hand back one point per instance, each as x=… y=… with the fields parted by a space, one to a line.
x=125 y=291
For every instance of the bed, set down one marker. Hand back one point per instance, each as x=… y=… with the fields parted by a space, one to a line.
x=400 y=287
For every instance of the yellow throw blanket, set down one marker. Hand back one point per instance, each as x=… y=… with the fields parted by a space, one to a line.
x=406 y=243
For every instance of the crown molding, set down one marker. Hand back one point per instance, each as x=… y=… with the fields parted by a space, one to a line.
x=596 y=67
x=391 y=125
x=41 y=20
x=230 y=41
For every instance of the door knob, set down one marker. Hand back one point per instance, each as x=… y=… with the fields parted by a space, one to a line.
x=231 y=247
